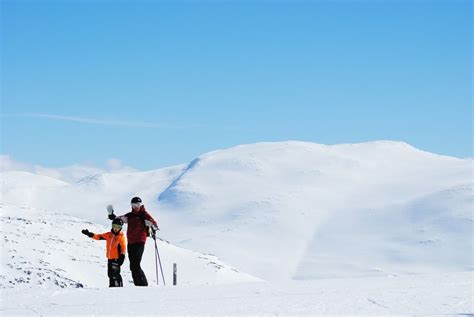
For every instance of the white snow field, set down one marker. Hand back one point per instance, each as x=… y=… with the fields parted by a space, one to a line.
x=371 y=228
x=433 y=294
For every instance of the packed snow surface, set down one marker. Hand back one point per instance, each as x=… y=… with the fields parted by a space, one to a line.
x=434 y=294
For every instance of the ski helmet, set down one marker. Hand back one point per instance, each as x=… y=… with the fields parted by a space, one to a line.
x=136 y=200
x=117 y=221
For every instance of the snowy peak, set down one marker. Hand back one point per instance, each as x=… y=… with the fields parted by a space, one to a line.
x=260 y=195
x=302 y=166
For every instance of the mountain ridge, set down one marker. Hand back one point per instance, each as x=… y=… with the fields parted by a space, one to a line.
x=271 y=200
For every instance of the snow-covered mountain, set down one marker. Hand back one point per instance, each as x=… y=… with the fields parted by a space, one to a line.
x=291 y=210
x=87 y=197
x=304 y=210
x=42 y=248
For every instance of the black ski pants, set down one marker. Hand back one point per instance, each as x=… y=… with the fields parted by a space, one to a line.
x=113 y=272
x=135 y=253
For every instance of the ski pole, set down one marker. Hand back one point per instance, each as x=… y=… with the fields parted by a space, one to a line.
x=157 y=257
x=159 y=260
x=156 y=265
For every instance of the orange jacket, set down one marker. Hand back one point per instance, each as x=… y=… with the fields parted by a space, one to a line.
x=115 y=243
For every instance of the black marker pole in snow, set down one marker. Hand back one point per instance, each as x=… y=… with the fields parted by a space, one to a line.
x=158 y=261
x=175 y=274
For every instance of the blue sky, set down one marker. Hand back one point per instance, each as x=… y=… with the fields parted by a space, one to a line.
x=157 y=83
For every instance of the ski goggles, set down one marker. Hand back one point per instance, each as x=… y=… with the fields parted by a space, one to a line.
x=135 y=205
x=116 y=226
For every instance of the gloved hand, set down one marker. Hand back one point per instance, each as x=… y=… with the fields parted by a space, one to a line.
x=121 y=259
x=152 y=231
x=87 y=233
x=110 y=210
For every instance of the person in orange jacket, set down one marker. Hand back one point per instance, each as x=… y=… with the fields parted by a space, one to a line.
x=115 y=250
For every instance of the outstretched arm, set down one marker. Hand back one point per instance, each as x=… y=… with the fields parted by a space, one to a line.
x=112 y=216
x=100 y=236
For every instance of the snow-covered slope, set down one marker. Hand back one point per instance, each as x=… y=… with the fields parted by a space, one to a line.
x=419 y=295
x=291 y=210
x=428 y=234
x=303 y=210
x=42 y=248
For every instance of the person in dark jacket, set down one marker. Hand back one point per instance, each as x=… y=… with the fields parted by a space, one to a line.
x=139 y=221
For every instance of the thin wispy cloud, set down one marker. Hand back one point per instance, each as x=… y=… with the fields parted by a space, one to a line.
x=97 y=121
